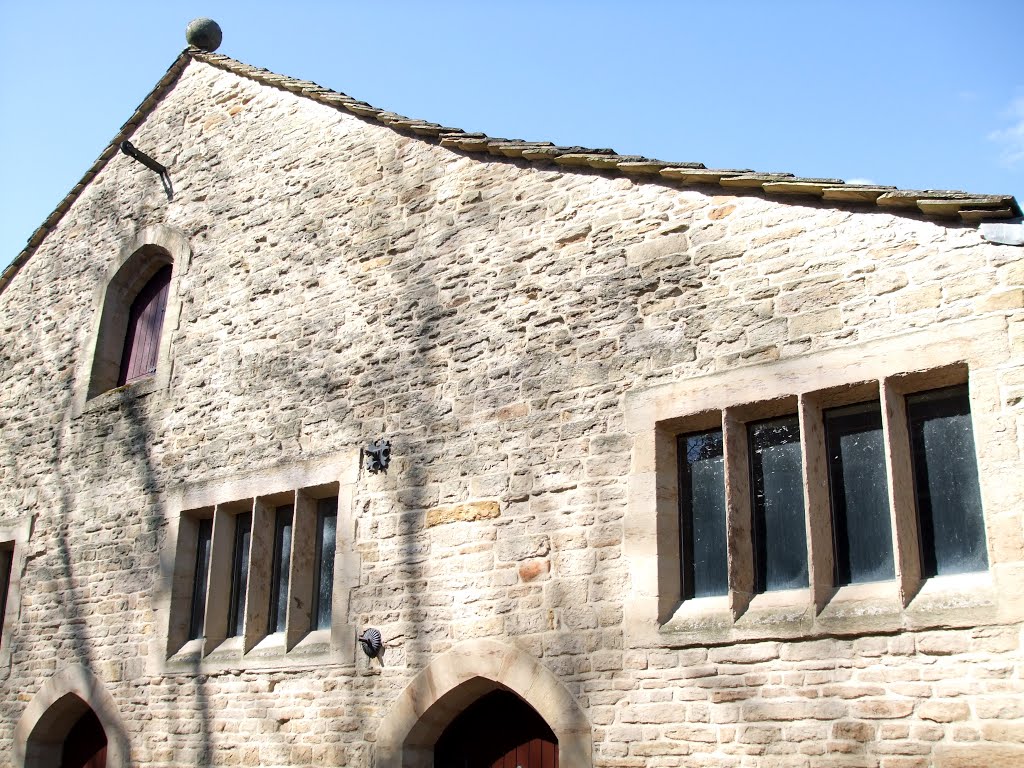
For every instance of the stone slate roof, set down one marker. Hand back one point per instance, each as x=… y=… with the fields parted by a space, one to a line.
x=949 y=205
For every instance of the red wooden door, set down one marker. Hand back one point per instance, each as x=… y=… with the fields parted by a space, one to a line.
x=499 y=730
x=145 y=322
x=86 y=744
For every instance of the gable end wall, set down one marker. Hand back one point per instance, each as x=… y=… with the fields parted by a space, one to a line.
x=494 y=320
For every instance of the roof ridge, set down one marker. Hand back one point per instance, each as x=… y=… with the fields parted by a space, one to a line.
x=948 y=204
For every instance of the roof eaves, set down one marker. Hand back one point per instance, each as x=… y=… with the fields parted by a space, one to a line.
x=969 y=208
x=951 y=205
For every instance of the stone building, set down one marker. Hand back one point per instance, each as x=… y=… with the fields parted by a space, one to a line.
x=688 y=467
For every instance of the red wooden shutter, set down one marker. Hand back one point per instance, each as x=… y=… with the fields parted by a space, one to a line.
x=145 y=321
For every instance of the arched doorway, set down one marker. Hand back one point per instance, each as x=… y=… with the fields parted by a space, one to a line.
x=85 y=746
x=71 y=722
x=499 y=730
x=427 y=717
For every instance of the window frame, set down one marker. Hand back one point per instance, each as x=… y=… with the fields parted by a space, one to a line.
x=200 y=578
x=6 y=567
x=688 y=535
x=138 y=259
x=14 y=538
x=241 y=555
x=138 y=347
x=759 y=538
x=326 y=507
x=655 y=614
x=223 y=502
x=280 y=570
x=926 y=523
x=846 y=531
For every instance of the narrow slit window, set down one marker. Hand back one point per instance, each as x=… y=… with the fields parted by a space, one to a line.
x=326 y=542
x=951 y=525
x=240 y=574
x=861 y=527
x=281 y=570
x=703 y=560
x=780 y=537
x=201 y=575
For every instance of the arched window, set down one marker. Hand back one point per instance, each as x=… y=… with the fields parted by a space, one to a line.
x=145 y=323
x=135 y=304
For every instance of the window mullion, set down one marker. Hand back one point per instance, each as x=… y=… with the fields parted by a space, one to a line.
x=817 y=513
x=260 y=556
x=183 y=584
x=218 y=590
x=905 y=540
x=662 y=552
x=737 y=513
x=300 y=582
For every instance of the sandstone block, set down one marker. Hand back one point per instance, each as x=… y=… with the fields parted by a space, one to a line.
x=943 y=711
x=531 y=570
x=758 y=711
x=853 y=731
x=744 y=654
x=464 y=512
x=979 y=756
x=813 y=323
x=916 y=299
x=881 y=709
x=942 y=643
x=1011 y=299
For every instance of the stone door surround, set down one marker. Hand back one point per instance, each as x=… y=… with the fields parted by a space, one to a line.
x=457 y=678
x=39 y=734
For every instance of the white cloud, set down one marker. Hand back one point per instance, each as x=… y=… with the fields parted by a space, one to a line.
x=1012 y=138
x=858 y=180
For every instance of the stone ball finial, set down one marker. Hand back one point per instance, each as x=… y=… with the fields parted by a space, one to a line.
x=204 y=34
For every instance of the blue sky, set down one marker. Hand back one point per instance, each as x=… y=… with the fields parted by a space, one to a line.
x=916 y=94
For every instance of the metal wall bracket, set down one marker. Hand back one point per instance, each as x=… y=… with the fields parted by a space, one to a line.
x=135 y=154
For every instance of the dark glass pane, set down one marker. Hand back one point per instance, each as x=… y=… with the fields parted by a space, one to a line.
x=946 y=482
x=6 y=563
x=780 y=538
x=702 y=515
x=281 y=571
x=323 y=584
x=860 y=501
x=240 y=573
x=201 y=574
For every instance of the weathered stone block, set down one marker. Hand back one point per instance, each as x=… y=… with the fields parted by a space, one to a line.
x=987 y=755
x=465 y=512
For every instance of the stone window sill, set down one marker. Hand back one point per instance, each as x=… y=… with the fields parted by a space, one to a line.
x=313 y=650
x=944 y=601
x=126 y=393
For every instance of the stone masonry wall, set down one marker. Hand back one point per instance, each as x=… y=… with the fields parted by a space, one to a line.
x=348 y=282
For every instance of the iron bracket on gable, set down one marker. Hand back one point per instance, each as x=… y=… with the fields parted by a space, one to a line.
x=129 y=149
